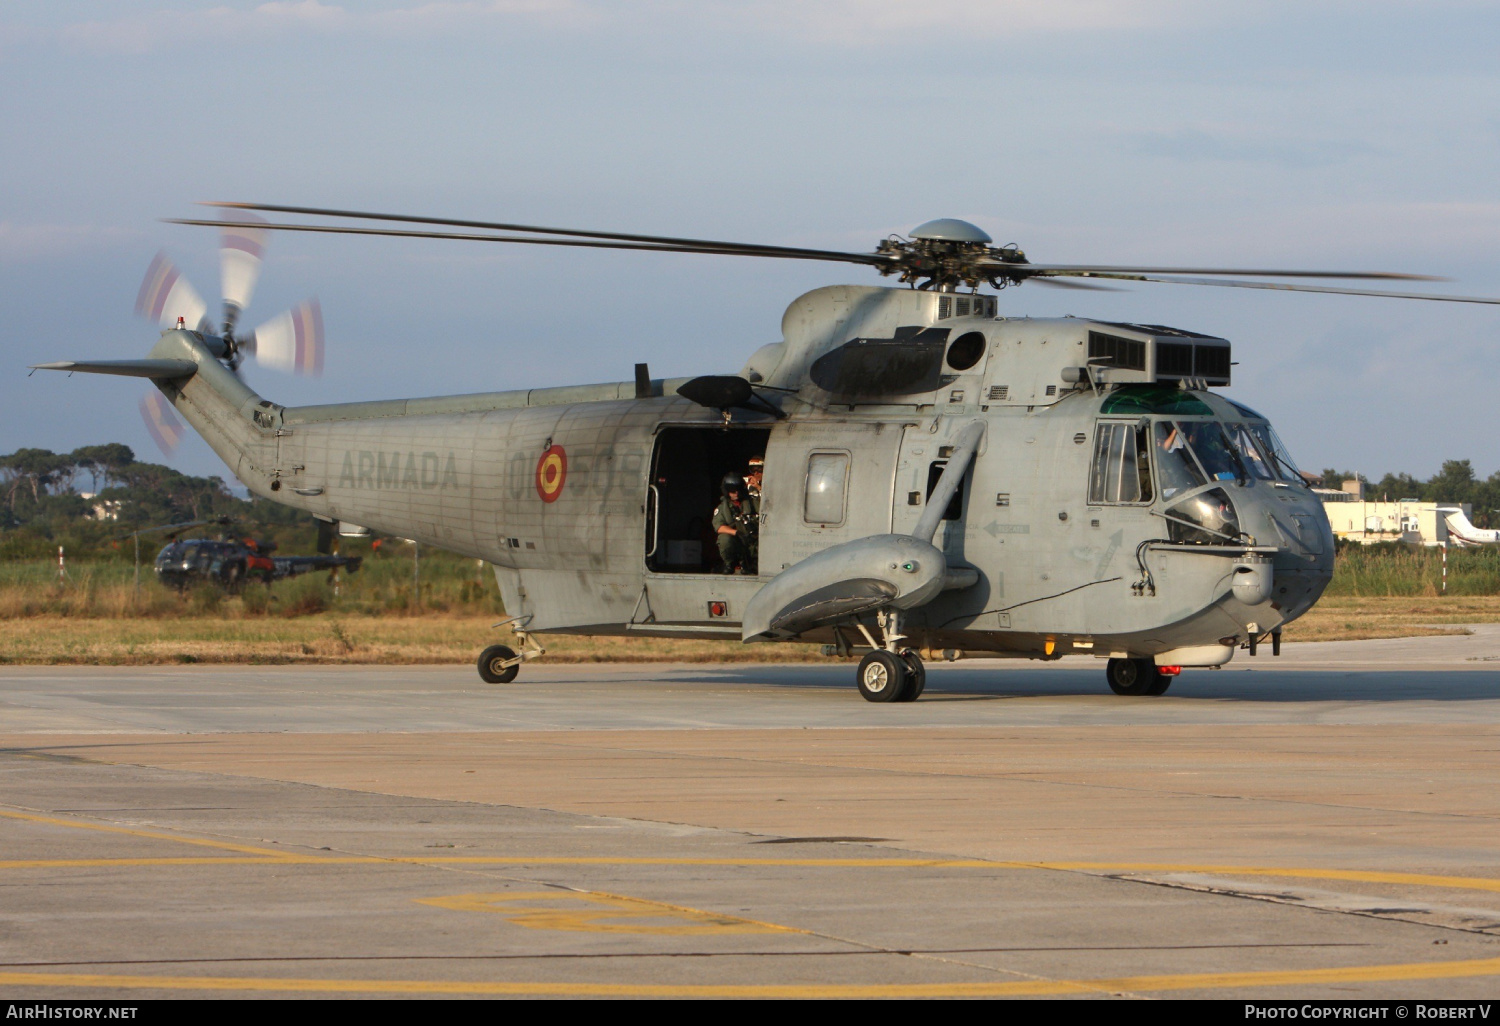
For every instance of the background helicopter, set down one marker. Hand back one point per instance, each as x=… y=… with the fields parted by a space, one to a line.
x=936 y=475
x=232 y=559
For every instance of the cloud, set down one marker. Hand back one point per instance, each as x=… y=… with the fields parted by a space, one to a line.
x=34 y=243
x=855 y=23
x=1191 y=145
x=152 y=31
x=867 y=22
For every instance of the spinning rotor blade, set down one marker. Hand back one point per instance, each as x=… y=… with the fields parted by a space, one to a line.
x=165 y=429
x=693 y=245
x=1067 y=283
x=166 y=296
x=292 y=342
x=1283 y=287
x=1029 y=270
x=241 y=249
x=745 y=248
x=725 y=249
x=936 y=256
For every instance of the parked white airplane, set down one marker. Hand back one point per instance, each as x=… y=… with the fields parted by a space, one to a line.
x=1464 y=533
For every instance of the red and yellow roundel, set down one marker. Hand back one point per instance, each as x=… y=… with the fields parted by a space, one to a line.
x=551 y=472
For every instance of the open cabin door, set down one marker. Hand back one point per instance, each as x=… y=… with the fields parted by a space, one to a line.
x=826 y=482
x=688 y=465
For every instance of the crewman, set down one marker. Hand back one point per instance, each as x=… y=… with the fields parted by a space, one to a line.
x=737 y=526
x=753 y=476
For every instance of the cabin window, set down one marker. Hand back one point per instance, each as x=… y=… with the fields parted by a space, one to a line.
x=827 y=483
x=1121 y=471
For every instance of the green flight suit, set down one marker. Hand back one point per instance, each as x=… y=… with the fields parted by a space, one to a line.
x=742 y=548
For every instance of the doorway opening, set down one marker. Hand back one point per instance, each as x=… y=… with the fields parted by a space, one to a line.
x=687 y=469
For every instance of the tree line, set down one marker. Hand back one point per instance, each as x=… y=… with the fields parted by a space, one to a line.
x=43 y=505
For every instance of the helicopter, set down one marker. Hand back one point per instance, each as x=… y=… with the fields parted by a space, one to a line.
x=938 y=477
x=231 y=560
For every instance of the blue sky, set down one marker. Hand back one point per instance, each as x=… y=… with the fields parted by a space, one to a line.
x=1347 y=135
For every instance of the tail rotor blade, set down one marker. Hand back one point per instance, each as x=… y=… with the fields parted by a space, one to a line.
x=241 y=249
x=166 y=297
x=292 y=342
x=165 y=429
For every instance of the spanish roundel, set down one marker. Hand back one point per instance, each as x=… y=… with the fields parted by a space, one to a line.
x=551 y=472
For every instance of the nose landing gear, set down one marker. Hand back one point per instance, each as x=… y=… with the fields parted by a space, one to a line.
x=890 y=673
x=1137 y=677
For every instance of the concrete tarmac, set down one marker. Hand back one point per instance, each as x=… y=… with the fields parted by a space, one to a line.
x=1323 y=825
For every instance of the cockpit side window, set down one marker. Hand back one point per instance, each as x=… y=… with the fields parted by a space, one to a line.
x=1121 y=469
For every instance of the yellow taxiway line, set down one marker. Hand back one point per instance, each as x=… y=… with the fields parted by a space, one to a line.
x=1009 y=988
x=1468 y=883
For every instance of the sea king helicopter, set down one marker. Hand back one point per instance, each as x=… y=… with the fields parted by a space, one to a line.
x=937 y=477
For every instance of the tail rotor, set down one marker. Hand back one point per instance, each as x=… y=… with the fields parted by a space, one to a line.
x=241 y=251
x=161 y=423
x=291 y=343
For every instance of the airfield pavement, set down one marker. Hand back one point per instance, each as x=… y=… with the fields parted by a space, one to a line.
x=1323 y=825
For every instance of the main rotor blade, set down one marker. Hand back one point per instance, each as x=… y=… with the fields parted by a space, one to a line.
x=1283 y=287
x=1068 y=283
x=1038 y=270
x=697 y=245
x=727 y=250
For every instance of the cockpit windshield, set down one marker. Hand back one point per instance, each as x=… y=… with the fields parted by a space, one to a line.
x=1250 y=452
x=1193 y=453
x=1280 y=463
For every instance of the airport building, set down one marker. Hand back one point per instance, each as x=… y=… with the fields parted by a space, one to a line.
x=1357 y=519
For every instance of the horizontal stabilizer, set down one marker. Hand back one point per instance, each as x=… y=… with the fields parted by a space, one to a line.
x=127 y=368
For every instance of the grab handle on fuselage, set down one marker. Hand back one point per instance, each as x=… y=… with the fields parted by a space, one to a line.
x=953 y=473
x=655 y=500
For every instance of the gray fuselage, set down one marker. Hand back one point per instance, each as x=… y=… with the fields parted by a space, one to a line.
x=1109 y=508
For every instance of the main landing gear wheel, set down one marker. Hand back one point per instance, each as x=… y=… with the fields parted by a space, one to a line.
x=916 y=677
x=1135 y=677
x=883 y=676
x=492 y=668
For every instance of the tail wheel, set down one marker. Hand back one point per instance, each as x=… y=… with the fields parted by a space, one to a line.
x=882 y=676
x=492 y=666
x=1135 y=677
x=916 y=677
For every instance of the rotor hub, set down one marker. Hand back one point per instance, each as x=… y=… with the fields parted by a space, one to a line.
x=946 y=253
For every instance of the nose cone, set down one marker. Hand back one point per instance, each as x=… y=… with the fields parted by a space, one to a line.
x=951 y=229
